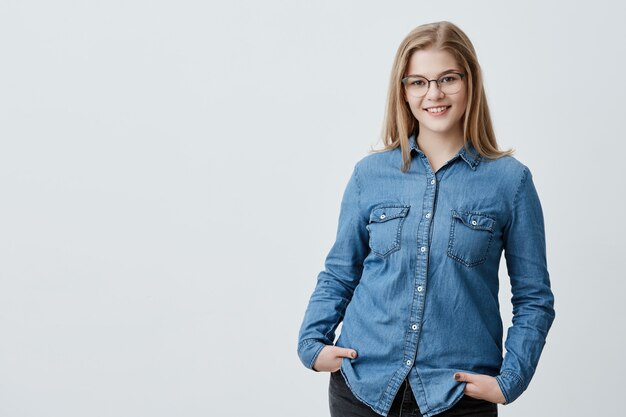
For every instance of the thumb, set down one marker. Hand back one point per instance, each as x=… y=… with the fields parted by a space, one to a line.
x=346 y=353
x=462 y=376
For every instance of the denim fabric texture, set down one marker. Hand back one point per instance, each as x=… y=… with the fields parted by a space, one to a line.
x=413 y=275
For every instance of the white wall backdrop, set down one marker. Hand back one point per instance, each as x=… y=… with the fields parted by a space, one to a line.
x=170 y=179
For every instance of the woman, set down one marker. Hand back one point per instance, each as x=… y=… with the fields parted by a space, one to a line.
x=413 y=273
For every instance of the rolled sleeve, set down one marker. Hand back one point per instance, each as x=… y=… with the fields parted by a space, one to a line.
x=532 y=298
x=511 y=385
x=308 y=350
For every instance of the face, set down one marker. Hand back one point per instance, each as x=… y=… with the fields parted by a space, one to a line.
x=431 y=64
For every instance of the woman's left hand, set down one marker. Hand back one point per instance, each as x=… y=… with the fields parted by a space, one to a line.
x=483 y=387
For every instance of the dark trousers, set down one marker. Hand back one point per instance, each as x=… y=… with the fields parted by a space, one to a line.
x=344 y=404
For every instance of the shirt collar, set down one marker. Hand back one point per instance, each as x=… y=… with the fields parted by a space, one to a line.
x=472 y=157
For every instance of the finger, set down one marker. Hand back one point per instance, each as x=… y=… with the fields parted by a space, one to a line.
x=472 y=390
x=346 y=353
x=463 y=377
x=473 y=395
x=469 y=389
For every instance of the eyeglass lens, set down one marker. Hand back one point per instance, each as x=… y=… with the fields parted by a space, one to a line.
x=448 y=84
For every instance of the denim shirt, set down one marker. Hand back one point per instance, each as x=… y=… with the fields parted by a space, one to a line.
x=413 y=275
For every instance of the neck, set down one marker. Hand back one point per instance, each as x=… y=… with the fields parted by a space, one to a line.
x=439 y=145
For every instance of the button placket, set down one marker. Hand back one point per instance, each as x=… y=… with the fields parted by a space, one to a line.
x=423 y=245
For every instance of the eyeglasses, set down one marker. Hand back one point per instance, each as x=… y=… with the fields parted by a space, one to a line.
x=449 y=83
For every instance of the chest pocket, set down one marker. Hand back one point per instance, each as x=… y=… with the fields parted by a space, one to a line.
x=471 y=234
x=385 y=228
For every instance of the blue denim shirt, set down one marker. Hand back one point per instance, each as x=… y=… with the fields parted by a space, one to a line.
x=413 y=274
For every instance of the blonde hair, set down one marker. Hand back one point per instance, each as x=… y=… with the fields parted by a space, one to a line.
x=399 y=122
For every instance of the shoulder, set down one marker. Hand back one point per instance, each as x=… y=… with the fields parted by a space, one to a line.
x=506 y=164
x=377 y=158
x=507 y=174
x=508 y=168
x=379 y=161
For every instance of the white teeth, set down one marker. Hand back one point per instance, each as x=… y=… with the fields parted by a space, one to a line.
x=437 y=109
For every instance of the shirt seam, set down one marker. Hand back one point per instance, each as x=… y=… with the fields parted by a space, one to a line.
x=358 y=187
x=516 y=195
x=519 y=187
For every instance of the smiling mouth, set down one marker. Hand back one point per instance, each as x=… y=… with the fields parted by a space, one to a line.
x=437 y=110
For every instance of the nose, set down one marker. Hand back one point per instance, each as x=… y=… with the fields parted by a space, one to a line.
x=433 y=90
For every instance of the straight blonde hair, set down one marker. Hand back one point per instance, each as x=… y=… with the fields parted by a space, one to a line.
x=399 y=122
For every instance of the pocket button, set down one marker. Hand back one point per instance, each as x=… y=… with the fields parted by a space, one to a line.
x=471 y=234
x=385 y=228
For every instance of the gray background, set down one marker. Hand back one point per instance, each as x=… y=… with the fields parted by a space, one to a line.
x=171 y=173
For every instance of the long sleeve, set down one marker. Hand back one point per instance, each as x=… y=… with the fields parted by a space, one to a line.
x=532 y=298
x=341 y=274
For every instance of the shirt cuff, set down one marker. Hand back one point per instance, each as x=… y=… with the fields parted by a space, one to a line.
x=511 y=385
x=308 y=350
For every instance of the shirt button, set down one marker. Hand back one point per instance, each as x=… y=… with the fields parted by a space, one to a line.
x=414 y=327
x=382 y=216
x=408 y=362
x=420 y=288
x=474 y=222
x=428 y=215
x=432 y=181
x=423 y=248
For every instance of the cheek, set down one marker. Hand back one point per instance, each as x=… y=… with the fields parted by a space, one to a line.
x=461 y=105
x=416 y=108
x=463 y=102
x=464 y=107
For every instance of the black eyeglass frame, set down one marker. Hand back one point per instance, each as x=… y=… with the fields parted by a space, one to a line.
x=405 y=79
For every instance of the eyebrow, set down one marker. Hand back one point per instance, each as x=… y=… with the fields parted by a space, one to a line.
x=440 y=74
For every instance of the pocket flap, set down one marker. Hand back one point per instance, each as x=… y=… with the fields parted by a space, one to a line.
x=384 y=213
x=474 y=220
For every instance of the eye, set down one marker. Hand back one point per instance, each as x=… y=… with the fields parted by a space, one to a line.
x=418 y=82
x=449 y=78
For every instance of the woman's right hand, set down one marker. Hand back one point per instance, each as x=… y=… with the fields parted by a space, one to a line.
x=329 y=358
